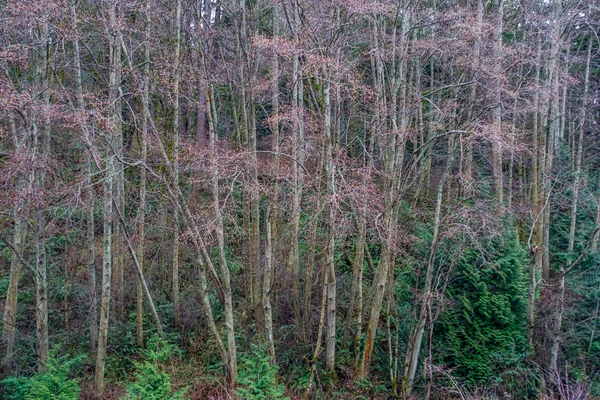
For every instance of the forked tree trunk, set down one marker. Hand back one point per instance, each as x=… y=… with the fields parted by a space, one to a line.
x=392 y=148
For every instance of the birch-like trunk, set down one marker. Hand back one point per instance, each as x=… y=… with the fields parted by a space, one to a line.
x=107 y=261
x=537 y=199
x=41 y=148
x=270 y=212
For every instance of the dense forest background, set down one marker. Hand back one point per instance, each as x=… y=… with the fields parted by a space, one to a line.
x=267 y=199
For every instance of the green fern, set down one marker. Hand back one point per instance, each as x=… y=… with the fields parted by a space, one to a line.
x=52 y=384
x=258 y=378
x=151 y=383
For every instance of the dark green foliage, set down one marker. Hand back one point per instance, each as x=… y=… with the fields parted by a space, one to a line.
x=258 y=378
x=151 y=383
x=55 y=383
x=483 y=332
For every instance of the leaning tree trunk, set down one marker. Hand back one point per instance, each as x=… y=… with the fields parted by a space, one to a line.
x=393 y=149
x=416 y=338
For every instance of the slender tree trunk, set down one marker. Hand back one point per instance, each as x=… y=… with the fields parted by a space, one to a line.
x=89 y=191
x=496 y=144
x=107 y=261
x=298 y=182
x=226 y=279
x=9 y=318
x=312 y=252
x=472 y=97
x=318 y=348
x=393 y=149
x=537 y=199
x=119 y=179
x=141 y=250
x=357 y=272
x=176 y=112
x=140 y=274
x=42 y=147
x=416 y=338
x=556 y=337
x=553 y=127
x=330 y=262
x=270 y=213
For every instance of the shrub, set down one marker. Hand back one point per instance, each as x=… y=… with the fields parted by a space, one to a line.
x=54 y=383
x=151 y=383
x=258 y=378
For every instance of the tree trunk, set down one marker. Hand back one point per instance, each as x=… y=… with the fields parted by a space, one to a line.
x=556 y=337
x=537 y=199
x=496 y=144
x=392 y=148
x=141 y=250
x=89 y=191
x=176 y=111
x=9 y=318
x=227 y=293
x=414 y=343
x=298 y=179
x=105 y=299
x=270 y=213
x=42 y=145
x=330 y=252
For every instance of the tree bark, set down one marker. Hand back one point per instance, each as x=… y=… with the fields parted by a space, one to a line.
x=141 y=249
x=107 y=261
x=176 y=112
x=496 y=144
x=42 y=148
